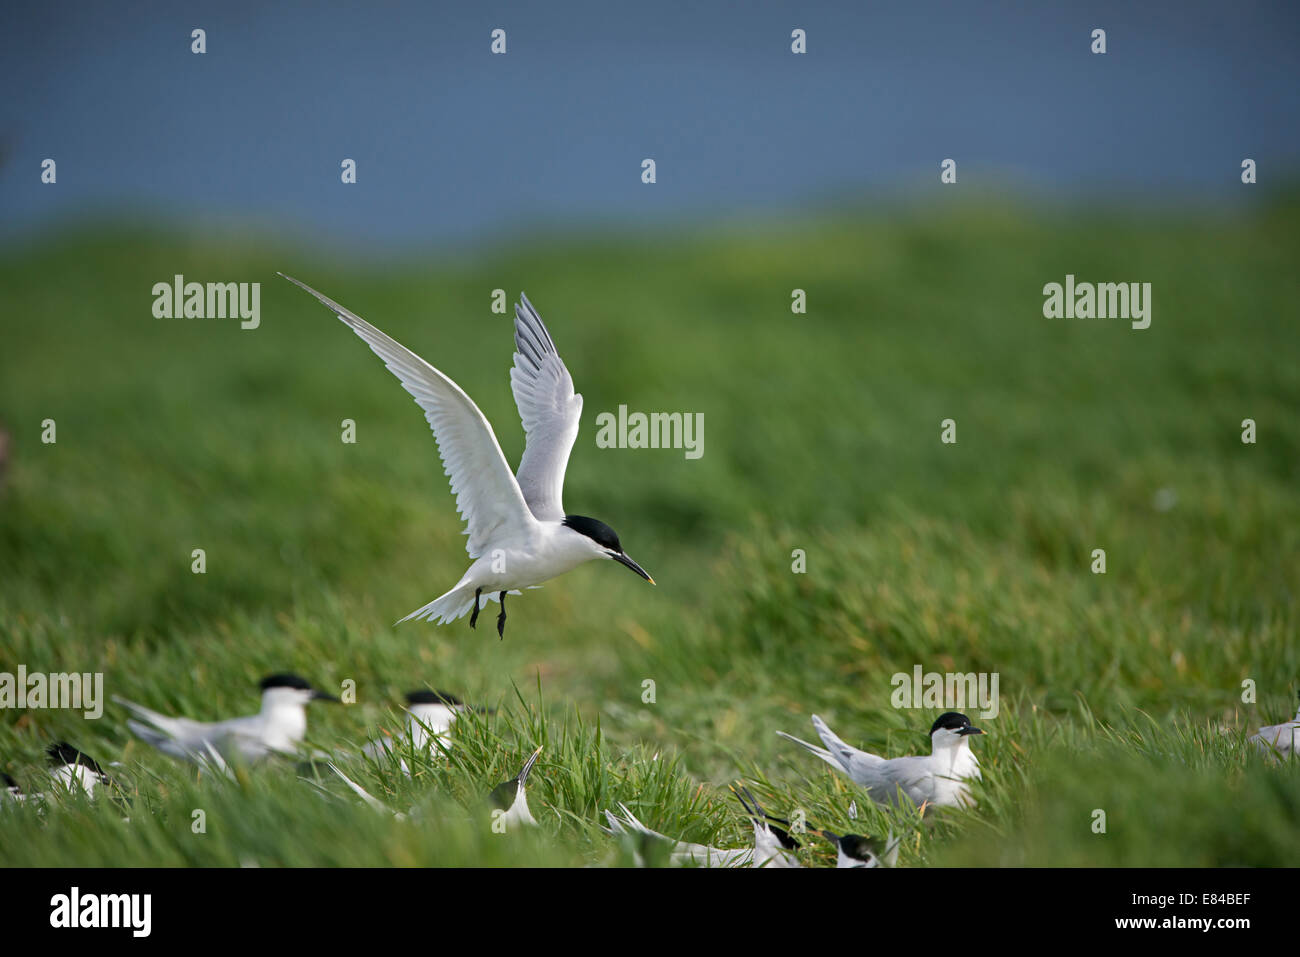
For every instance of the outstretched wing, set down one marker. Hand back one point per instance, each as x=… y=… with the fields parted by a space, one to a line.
x=550 y=411
x=487 y=495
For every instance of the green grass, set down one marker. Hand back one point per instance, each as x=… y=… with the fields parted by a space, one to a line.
x=1120 y=692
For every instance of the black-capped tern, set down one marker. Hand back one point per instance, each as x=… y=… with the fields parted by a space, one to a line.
x=1279 y=740
x=277 y=728
x=519 y=534
x=511 y=797
x=938 y=778
x=74 y=770
x=429 y=717
x=856 y=850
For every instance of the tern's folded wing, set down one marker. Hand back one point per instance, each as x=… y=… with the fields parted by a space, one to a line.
x=1276 y=738
x=549 y=409
x=914 y=775
x=177 y=728
x=487 y=495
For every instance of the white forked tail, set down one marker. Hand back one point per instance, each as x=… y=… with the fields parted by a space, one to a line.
x=456 y=603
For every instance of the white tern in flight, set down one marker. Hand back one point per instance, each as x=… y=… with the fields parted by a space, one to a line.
x=519 y=534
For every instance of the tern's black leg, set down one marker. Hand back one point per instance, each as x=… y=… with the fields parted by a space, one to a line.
x=473 y=619
x=501 y=618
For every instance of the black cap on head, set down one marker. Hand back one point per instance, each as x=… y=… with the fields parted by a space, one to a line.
x=954 y=721
x=285 y=680
x=425 y=696
x=596 y=530
x=782 y=835
x=859 y=847
x=62 y=753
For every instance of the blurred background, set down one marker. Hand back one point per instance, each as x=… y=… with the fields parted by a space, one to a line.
x=775 y=172
x=454 y=144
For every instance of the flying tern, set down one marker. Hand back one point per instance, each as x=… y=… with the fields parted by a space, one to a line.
x=277 y=728
x=1280 y=740
x=511 y=797
x=519 y=533
x=938 y=778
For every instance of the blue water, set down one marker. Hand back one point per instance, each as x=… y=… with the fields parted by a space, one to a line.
x=454 y=144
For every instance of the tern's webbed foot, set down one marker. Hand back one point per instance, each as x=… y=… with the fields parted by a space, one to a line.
x=473 y=619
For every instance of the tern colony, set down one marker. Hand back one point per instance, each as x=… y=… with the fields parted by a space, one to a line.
x=519 y=536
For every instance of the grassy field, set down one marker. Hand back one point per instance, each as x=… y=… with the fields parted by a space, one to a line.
x=1120 y=692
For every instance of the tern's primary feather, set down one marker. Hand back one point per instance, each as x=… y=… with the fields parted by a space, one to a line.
x=550 y=411
x=487 y=495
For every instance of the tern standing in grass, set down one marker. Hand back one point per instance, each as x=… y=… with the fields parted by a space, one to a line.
x=938 y=778
x=277 y=728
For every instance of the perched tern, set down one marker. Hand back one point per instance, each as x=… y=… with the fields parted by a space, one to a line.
x=1280 y=740
x=680 y=852
x=938 y=778
x=277 y=728
x=429 y=717
x=70 y=771
x=73 y=770
x=511 y=798
x=13 y=790
x=854 y=850
x=773 y=846
x=519 y=534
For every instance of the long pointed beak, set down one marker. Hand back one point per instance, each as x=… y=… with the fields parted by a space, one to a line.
x=965 y=731
x=528 y=766
x=322 y=696
x=623 y=559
